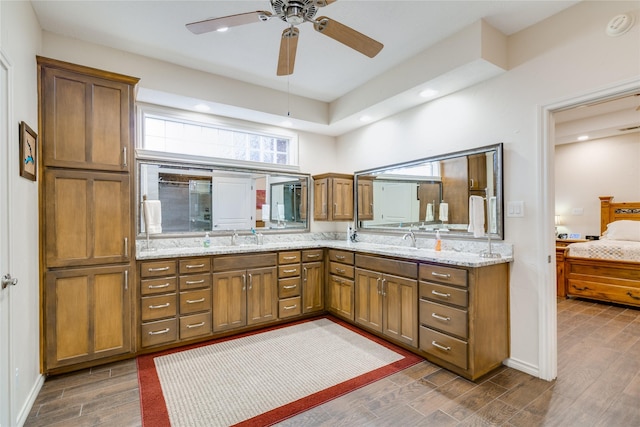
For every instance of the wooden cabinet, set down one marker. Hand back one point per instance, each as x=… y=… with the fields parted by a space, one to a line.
x=312 y=281
x=341 y=284
x=561 y=249
x=158 y=302
x=88 y=314
x=386 y=302
x=477 y=173
x=244 y=296
x=86 y=117
x=464 y=317
x=333 y=197
x=87 y=218
x=289 y=284
x=86 y=131
x=365 y=198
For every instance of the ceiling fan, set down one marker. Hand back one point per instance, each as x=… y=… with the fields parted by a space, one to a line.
x=294 y=12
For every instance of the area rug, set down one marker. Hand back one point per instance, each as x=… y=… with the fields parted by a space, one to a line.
x=262 y=378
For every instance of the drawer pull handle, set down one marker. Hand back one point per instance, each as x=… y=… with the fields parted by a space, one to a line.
x=440 y=294
x=164 y=285
x=195 y=301
x=341 y=270
x=194 y=282
x=586 y=288
x=163 y=331
x=195 y=325
x=155 y=270
x=153 y=307
x=290 y=307
x=290 y=287
x=195 y=266
x=289 y=257
x=290 y=271
x=340 y=257
x=632 y=296
x=312 y=255
x=443 y=318
x=440 y=346
x=443 y=276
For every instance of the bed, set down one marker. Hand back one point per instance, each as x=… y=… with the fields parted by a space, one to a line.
x=607 y=269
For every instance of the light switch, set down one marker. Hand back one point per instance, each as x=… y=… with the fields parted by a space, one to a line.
x=515 y=209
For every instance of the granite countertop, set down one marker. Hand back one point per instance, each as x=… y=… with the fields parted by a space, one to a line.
x=451 y=257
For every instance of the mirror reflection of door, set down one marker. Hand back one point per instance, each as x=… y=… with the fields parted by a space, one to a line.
x=286 y=202
x=232 y=202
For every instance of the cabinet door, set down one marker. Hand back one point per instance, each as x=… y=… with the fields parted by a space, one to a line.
x=400 y=321
x=365 y=200
x=229 y=300
x=455 y=189
x=312 y=287
x=341 y=296
x=86 y=120
x=342 y=192
x=320 y=199
x=262 y=295
x=87 y=315
x=87 y=218
x=478 y=171
x=368 y=299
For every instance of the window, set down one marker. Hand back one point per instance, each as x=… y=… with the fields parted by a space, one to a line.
x=176 y=134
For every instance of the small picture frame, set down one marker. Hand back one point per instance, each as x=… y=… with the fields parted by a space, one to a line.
x=575 y=236
x=28 y=152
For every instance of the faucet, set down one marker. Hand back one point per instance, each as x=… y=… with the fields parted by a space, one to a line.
x=411 y=235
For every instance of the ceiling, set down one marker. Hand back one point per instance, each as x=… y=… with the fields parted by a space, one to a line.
x=325 y=70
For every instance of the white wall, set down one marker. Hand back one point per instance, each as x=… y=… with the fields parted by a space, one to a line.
x=586 y=170
x=20 y=41
x=560 y=58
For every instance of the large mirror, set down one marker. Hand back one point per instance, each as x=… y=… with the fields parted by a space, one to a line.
x=433 y=193
x=199 y=199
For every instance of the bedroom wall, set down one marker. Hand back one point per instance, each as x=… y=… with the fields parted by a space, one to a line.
x=563 y=57
x=586 y=170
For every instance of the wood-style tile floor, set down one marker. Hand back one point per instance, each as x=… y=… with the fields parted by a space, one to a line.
x=598 y=384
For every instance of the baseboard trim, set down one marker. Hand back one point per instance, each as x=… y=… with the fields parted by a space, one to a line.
x=21 y=419
x=525 y=367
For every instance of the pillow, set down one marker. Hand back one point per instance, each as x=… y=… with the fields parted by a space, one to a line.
x=623 y=230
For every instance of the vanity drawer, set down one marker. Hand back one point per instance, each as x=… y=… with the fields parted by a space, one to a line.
x=341 y=270
x=288 y=270
x=444 y=347
x=289 y=307
x=312 y=255
x=195 y=265
x=157 y=269
x=194 y=301
x=289 y=287
x=441 y=274
x=341 y=256
x=158 y=286
x=444 y=318
x=161 y=332
x=195 y=325
x=195 y=281
x=443 y=293
x=290 y=257
x=157 y=307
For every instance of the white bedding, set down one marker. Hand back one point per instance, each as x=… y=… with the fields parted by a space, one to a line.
x=619 y=250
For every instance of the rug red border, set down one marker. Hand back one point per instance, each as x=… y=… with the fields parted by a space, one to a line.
x=154 y=410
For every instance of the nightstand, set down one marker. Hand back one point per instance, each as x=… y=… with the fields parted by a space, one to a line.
x=561 y=247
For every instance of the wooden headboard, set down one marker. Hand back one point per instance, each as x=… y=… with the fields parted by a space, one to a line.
x=610 y=211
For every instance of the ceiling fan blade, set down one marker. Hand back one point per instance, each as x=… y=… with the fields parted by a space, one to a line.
x=215 y=24
x=348 y=36
x=288 y=48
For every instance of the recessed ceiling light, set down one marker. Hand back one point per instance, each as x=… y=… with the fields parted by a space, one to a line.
x=201 y=107
x=428 y=93
x=365 y=119
x=222 y=29
x=583 y=137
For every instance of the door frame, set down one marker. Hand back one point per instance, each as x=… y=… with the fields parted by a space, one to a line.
x=547 y=304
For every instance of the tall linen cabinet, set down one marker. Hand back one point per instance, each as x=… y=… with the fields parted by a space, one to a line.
x=86 y=126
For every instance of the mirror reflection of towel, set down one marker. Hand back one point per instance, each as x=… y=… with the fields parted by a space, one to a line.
x=493 y=214
x=266 y=213
x=476 y=216
x=444 y=212
x=429 y=216
x=152 y=216
x=280 y=211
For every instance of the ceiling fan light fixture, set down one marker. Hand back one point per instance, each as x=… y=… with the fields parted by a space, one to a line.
x=295 y=15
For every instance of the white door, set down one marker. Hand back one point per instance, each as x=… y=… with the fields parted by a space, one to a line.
x=5 y=384
x=232 y=203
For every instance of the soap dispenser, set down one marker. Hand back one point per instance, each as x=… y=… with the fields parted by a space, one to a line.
x=207 y=240
x=438 y=241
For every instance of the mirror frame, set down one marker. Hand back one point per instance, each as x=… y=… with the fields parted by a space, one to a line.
x=499 y=192
x=190 y=165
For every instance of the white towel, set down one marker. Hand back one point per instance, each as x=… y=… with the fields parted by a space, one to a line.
x=152 y=216
x=444 y=212
x=476 y=216
x=429 y=216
